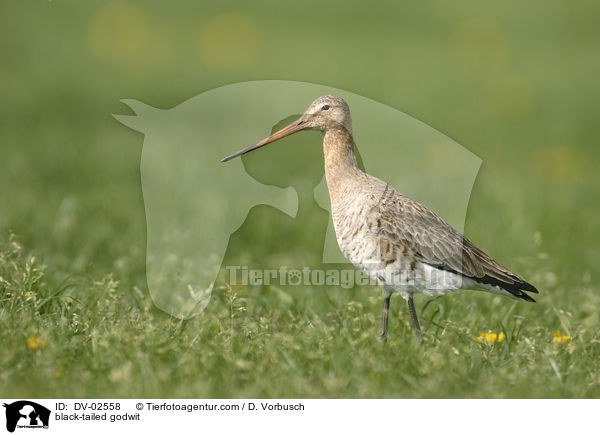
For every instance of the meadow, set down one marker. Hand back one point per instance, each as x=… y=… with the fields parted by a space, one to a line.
x=514 y=83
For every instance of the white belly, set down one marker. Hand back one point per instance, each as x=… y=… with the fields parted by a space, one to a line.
x=396 y=272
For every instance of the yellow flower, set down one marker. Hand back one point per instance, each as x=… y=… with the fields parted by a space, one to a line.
x=34 y=343
x=57 y=373
x=559 y=338
x=490 y=337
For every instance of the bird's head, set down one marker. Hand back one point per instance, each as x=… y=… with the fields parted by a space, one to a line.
x=326 y=112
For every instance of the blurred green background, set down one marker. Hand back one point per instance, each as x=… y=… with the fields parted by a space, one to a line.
x=515 y=83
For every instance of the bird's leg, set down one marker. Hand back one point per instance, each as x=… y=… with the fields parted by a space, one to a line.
x=384 y=317
x=415 y=320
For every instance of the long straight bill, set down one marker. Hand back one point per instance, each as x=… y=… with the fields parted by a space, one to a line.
x=285 y=131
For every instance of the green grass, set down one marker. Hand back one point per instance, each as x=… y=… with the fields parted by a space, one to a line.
x=516 y=84
x=100 y=339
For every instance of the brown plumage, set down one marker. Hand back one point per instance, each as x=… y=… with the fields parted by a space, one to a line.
x=394 y=239
x=444 y=248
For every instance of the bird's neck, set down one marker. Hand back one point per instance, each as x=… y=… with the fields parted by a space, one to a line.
x=341 y=168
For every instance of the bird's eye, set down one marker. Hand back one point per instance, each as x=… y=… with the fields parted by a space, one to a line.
x=325 y=107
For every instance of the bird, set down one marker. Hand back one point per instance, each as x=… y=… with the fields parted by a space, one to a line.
x=395 y=240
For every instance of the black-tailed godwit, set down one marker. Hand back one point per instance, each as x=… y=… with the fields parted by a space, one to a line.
x=397 y=241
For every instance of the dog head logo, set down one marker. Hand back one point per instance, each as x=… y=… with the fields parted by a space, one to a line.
x=26 y=414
